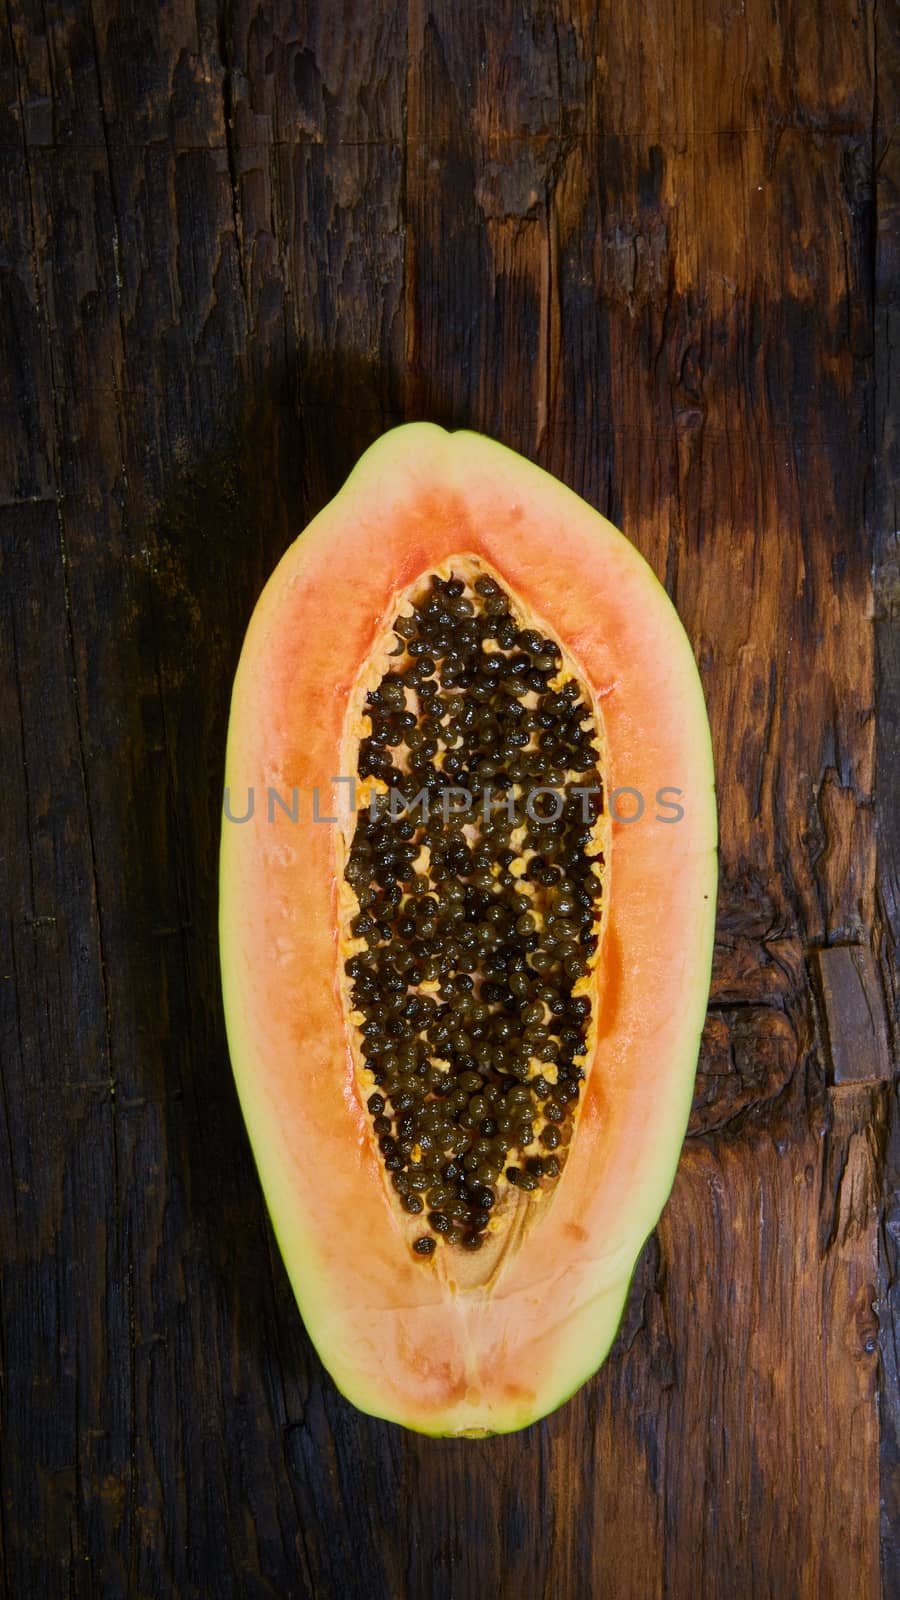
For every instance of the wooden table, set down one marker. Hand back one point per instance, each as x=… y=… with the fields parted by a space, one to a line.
x=655 y=247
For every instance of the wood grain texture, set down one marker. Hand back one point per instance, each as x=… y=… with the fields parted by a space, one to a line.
x=856 y=1028
x=656 y=249
x=885 y=522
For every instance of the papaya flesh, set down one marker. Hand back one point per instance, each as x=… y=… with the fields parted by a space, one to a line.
x=467 y=892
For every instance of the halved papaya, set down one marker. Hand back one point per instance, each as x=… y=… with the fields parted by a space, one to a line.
x=468 y=876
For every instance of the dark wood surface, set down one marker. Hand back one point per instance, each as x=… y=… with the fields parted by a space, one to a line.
x=656 y=248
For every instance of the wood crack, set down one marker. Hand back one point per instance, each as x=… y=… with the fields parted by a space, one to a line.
x=225 y=31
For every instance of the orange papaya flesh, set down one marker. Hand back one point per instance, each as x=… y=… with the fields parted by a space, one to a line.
x=442 y=1336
